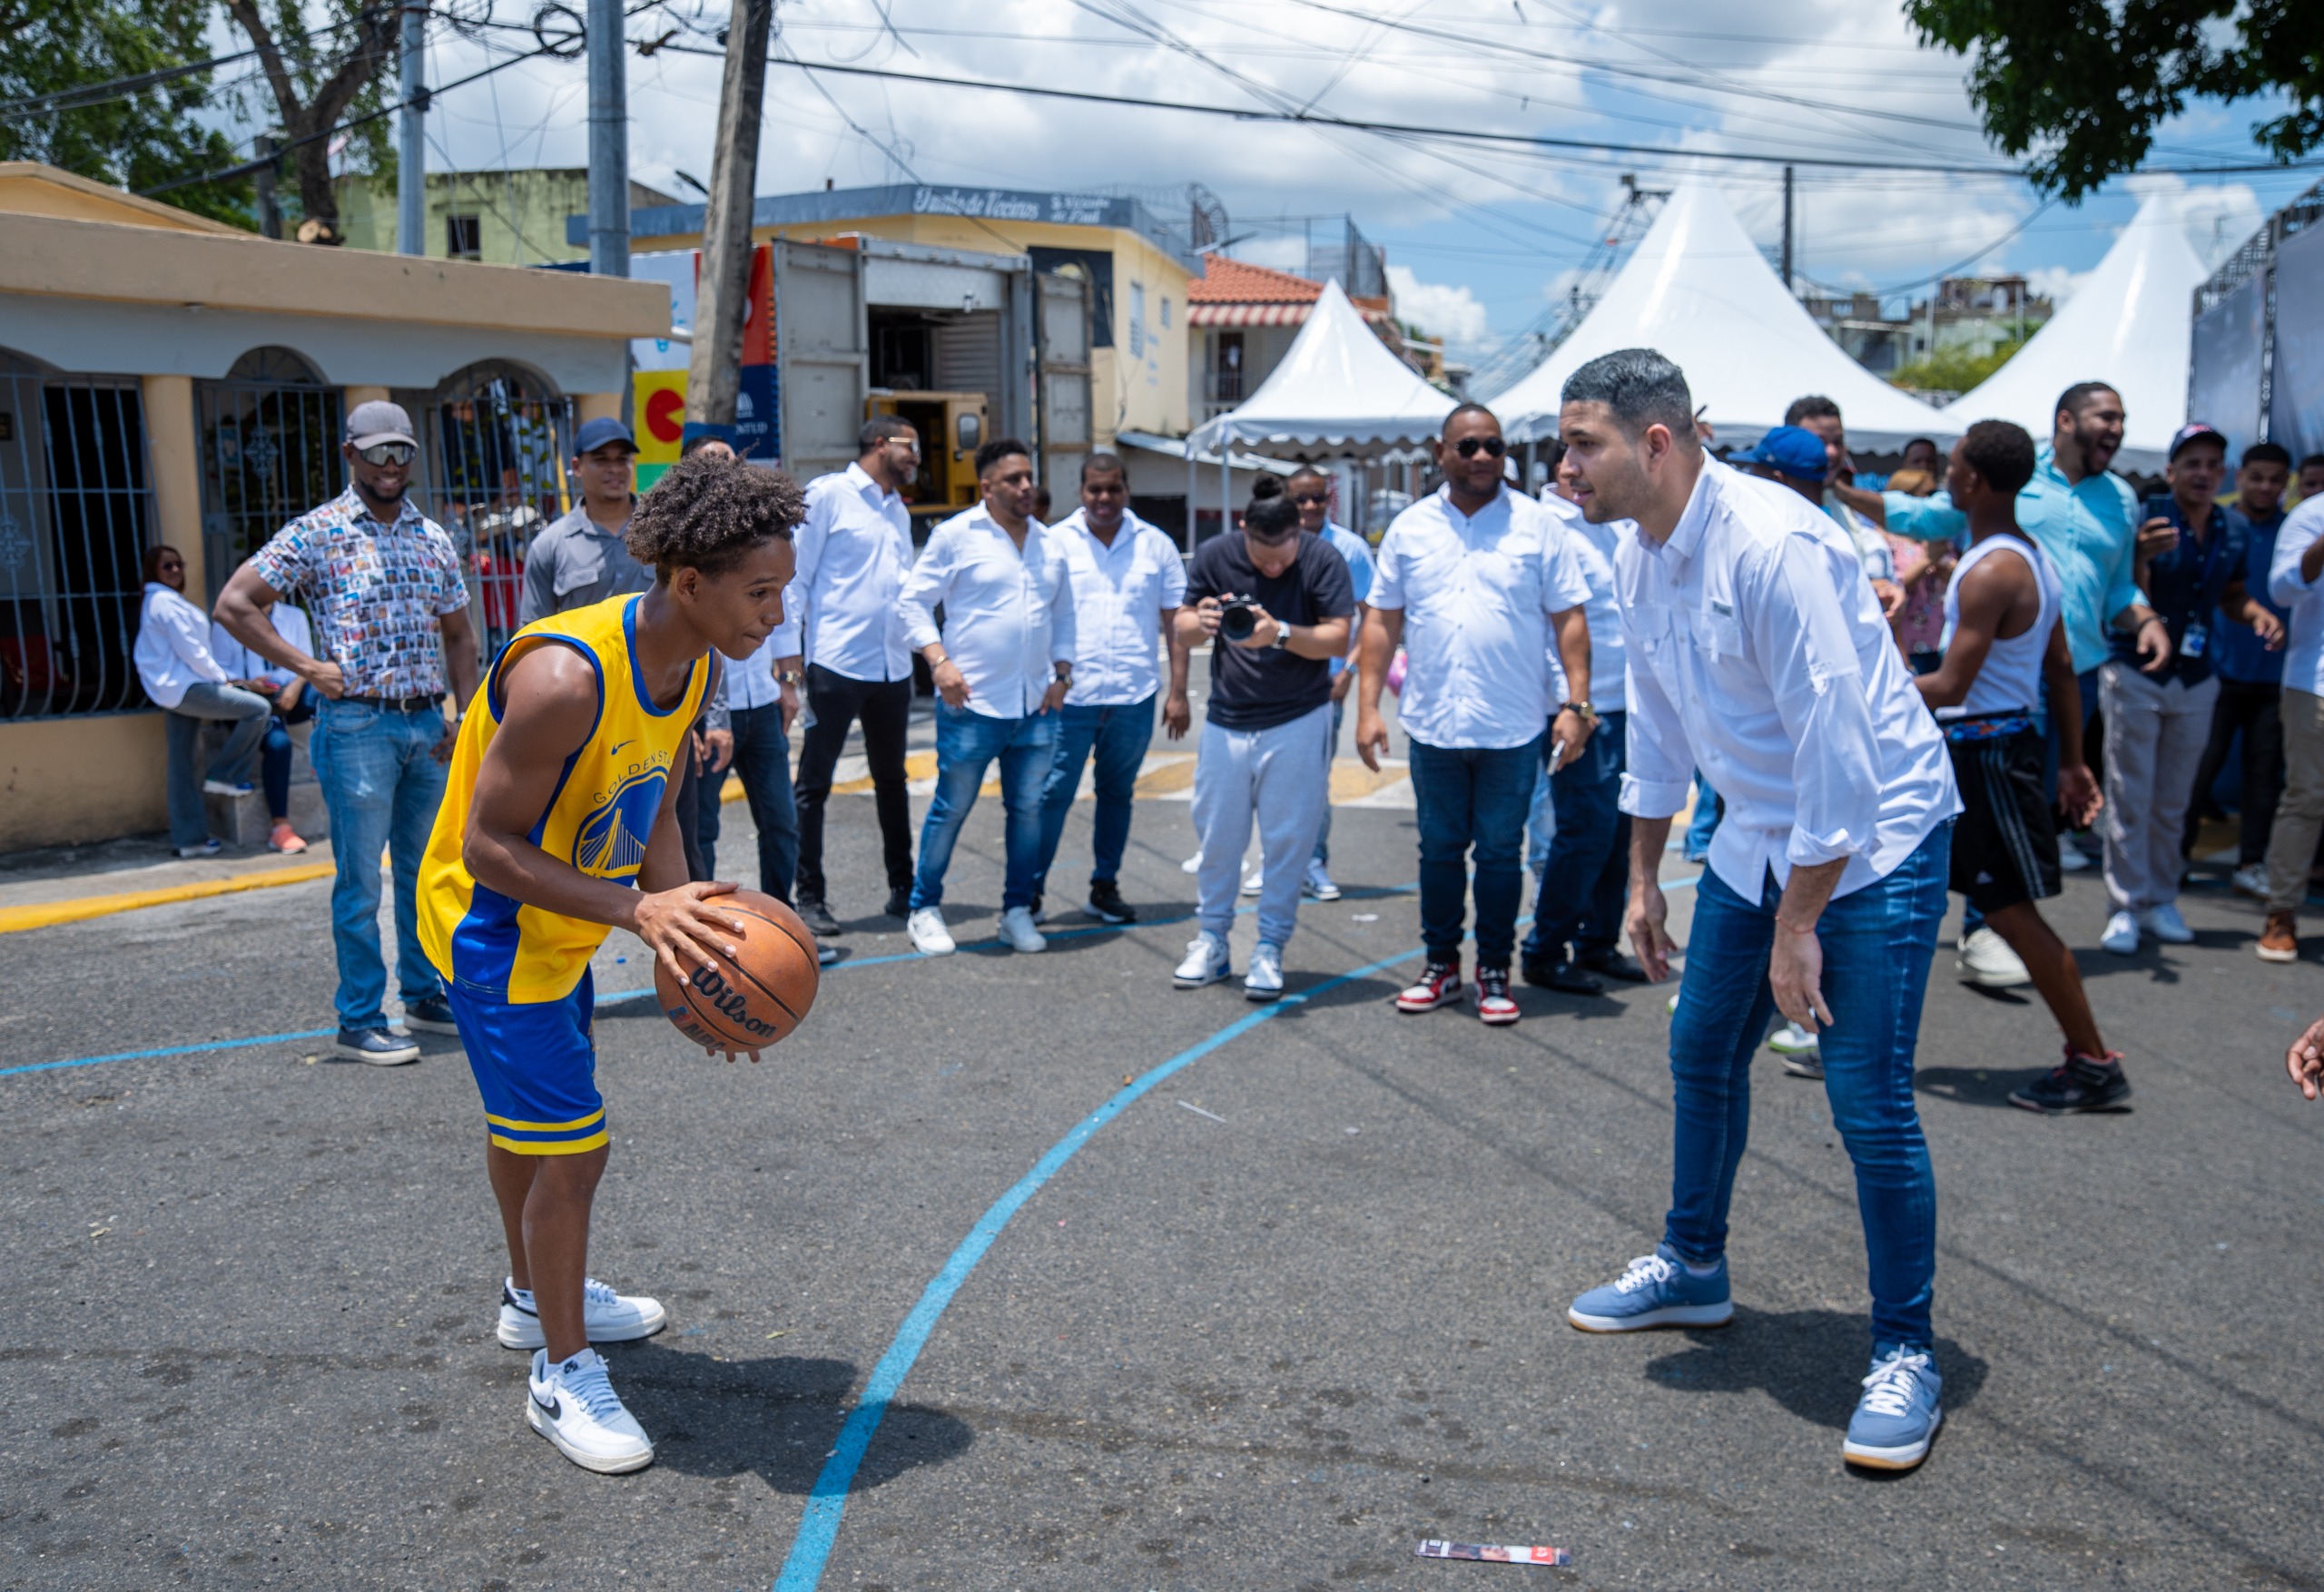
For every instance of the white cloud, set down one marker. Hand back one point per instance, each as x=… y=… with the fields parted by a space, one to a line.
x=2217 y=219
x=2056 y=282
x=1449 y=312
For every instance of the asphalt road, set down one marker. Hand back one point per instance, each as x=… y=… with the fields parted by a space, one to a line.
x=246 y=1295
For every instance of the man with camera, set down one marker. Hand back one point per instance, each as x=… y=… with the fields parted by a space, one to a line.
x=1274 y=603
x=1478 y=582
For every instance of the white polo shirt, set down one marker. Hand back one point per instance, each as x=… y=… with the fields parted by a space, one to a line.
x=1008 y=615
x=1118 y=595
x=1758 y=654
x=173 y=649
x=853 y=549
x=2304 y=631
x=1477 y=594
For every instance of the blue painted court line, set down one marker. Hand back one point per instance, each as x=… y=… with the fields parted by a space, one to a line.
x=48 y=1066
x=811 y=1547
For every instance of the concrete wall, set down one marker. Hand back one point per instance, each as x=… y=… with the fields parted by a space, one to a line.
x=67 y=780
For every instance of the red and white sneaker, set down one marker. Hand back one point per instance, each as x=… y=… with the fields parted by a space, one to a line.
x=1440 y=984
x=1494 y=1003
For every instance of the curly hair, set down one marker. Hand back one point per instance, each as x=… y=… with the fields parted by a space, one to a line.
x=707 y=512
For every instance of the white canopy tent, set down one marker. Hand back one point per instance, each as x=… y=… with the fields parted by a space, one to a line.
x=1338 y=390
x=1697 y=290
x=2129 y=326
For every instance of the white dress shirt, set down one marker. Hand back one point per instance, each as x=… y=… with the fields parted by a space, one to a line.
x=1008 y=615
x=853 y=549
x=239 y=663
x=1118 y=595
x=1477 y=594
x=1594 y=548
x=1758 y=654
x=2304 y=631
x=751 y=682
x=172 y=648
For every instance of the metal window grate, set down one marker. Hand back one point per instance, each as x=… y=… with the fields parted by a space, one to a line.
x=75 y=515
x=496 y=442
x=270 y=452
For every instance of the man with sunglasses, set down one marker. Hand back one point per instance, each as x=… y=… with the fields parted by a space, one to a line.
x=1478 y=582
x=381 y=582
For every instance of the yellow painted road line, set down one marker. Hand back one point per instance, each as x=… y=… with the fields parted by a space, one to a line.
x=48 y=914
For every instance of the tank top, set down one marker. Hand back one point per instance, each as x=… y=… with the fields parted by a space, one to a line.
x=2011 y=680
x=599 y=819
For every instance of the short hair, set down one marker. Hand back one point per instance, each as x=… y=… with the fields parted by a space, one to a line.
x=2079 y=394
x=1551 y=451
x=706 y=513
x=1317 y=471
x=1107 y=464
x=998 y=449
x=1640 y=387
x=152 y=561
x=1814 y=406
x=1272 y=518
x=2314 y=461
x=1468 y=408
x=2268 y=453
x=2000 y=452
x=880 y=429
x=1927 y=442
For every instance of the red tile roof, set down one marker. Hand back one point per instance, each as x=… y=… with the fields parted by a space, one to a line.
x=1235 y=282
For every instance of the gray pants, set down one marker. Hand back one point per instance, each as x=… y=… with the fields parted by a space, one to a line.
x=2155 y=735
x=1280 y=777
x=205 y=700
x=2299 y=815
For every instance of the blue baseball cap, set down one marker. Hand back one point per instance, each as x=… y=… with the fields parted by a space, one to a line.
x=1791 y=450
x=696 y=432
x=595 y=434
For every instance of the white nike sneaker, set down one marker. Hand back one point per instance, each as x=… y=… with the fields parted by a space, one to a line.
x=1206 y=962
x=1192 y=864
x=1255 y=883
x=2164 y=923
x=1318 y=885
x=1017 y=932
x=606 y=1316
x=929 y=937
x=1264 y=981
x=574 y=1405
x=2121 y=936
x=1986 y=961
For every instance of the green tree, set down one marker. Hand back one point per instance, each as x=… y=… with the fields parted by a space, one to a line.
x=2083 y=83
x=324 y=64
x=56 y=54
x=1953 y=371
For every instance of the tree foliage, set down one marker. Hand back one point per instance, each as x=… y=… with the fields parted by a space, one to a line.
x=1953 y=371
x=134 y=139
x=323 y=65
x=2082 y=84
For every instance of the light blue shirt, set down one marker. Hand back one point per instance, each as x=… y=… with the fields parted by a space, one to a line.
x=1594 y=548
x=1357 y=551
x=2087 y=528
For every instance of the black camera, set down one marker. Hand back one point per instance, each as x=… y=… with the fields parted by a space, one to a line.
x=1237 y=618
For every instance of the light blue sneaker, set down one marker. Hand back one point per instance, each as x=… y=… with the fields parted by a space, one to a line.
x=1898 y=1415
x=1656 y=1291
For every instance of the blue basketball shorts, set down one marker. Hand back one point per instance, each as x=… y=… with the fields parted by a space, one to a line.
x=536 y=1068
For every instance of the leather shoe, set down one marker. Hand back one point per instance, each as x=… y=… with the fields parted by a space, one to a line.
x=1563 y=976
x=818 y=919
x=899 y=901
x=1613 y=964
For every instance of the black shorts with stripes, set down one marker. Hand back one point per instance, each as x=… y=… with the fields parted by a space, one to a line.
x=2006 y=847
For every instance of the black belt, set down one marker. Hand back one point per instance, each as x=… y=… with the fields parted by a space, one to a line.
x=394 y=704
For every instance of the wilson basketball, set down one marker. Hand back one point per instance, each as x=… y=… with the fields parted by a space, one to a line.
x=752 y=999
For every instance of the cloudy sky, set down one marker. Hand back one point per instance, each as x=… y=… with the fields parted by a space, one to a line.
x=1482 y=241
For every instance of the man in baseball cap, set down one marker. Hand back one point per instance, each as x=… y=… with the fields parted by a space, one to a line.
x=372 y=424
x=1792 y=454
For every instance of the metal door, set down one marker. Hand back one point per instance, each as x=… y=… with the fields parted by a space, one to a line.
x=821 y=363
x=1063 y=421
x=496 y=440
x=270 y=452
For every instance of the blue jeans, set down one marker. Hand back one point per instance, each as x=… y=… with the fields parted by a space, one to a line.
x=274 y=759
x=1705 y=823
x=1323 y=835
x=204 y=702
x=1472 y=798
x=966 y=744
x=382 y=788
x=1587 y=875
x=1118 y=737
x=1877 y=942
x=763 y=758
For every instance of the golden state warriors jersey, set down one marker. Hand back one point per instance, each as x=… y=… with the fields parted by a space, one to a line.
x=598 y=819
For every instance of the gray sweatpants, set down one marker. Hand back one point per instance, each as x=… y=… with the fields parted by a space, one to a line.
x=1280 y=777
x=2155 y=735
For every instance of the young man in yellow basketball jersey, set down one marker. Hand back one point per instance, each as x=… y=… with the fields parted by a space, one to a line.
x=559 y=823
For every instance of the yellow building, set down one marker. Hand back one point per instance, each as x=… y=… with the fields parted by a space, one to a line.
x=1136 y=267
x=513 y=217
x=164 y=379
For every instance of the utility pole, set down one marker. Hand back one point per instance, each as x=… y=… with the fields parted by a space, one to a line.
x=411 y=154
x=608 y=142
x=722 y=289
x=1786 y=230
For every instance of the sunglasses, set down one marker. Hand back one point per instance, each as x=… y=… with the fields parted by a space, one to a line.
x=1310 y=497
x=389 y=453
x=1492 y=446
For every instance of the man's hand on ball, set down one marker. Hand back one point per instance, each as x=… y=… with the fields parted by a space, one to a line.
x=685 y=918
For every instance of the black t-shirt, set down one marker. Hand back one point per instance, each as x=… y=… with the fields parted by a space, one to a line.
x=1257 y=688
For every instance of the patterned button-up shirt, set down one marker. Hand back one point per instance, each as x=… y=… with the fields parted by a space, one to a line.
x=375 y=592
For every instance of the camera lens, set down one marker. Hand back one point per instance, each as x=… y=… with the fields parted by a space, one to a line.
x=1237 y=622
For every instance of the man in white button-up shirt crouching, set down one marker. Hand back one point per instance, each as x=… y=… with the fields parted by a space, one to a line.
x=1003 y=661
x=1475 y=580
x=1758 y=654
x=1127 y=583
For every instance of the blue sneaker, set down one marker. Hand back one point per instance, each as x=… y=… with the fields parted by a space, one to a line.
x=1898 y=1415
x=1656 y=1291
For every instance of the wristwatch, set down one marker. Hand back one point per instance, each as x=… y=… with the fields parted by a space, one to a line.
x=790 y=677
x=1282 y=636
x=1064 y=673
x=1581 y=710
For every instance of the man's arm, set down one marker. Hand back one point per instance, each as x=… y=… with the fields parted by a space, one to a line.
x=2078 y=794
x=1985 y=598
x=1656 y=778
x=538 y=599
x=1924 y=519
x=1569 y=731
x=242 y=609
x=925 y=588
x=2154 y=636
x=2241 y=606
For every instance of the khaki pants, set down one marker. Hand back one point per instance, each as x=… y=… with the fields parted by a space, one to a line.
x=2155 y=735
x=2299 y=815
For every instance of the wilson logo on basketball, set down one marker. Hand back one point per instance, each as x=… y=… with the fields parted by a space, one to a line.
x=730 y=1003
